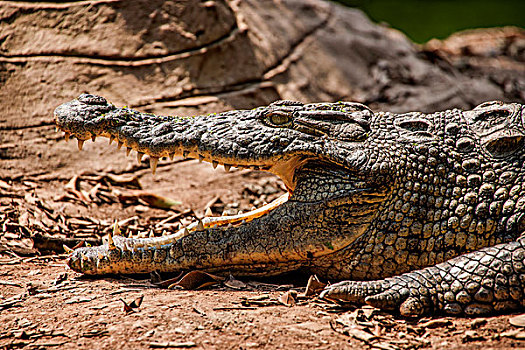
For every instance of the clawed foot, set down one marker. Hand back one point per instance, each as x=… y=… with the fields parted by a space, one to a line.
x=410 y=298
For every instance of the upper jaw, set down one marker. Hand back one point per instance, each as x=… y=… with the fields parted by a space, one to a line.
x=229 y=139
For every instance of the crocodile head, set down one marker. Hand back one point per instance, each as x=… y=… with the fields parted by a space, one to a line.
x=370 y=194
x=281 y=138
x=318 y=150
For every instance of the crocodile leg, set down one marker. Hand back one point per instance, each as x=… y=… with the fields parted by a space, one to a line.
x=479 y=283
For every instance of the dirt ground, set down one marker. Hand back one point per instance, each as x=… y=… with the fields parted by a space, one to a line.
x=187 y=58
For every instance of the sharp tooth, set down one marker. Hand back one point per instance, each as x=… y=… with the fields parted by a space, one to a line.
x=66 y=135
x=201 y=158
x=214 y=163
x=128 y=150
x=186 y=231
x=57 y=129
x=208 y=212
x=185 y=154
x=119 y=145
x=139 y=157
x=111 y=244
x=116 y=229
x=80 y=144
x=151 y=234
x=153 y=161
x=240 y=212
x=227 y=167
x=67 y=249
x=93 y=137
x=111 y=138
x=200 y=226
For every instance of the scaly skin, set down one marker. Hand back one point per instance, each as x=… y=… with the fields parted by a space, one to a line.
x=428 y=206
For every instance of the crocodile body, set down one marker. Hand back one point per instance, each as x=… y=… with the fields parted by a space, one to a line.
x=422 y=213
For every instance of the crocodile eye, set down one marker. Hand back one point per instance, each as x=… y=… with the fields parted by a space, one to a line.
x=279 y=118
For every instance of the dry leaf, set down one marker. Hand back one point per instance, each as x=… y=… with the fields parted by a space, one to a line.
x=518 y=321
x=234 y=283
x=196 y=280
x=314 y=286
x=127 y=308
x=359 y=333
x=514 y=334
x=288 y=298
x=437 y=323
x=137 y=302
x=471 y=336
x=125 y=181
x=149 y=198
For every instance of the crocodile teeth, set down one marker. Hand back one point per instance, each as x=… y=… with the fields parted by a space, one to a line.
x=186 y=231
x=128 y=150
x=200 y=226
x=119 y=144
x=214 y=163
x=208 y=212
x=111 y=138
x=93 y=137
x=227 y=167
x=67 y=249
x=66 y=135
x=116 y=229
x=80 y=144
x=151 y=234
x=111 y=244
x=139 y=157
x=153 y=161
x=57 y=129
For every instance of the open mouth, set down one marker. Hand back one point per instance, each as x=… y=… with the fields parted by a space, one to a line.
x=285 y=170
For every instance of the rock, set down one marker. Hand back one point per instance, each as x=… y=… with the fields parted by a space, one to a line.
x=178 y=60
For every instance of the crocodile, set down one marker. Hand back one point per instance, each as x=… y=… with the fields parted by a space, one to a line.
x=413 y=213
